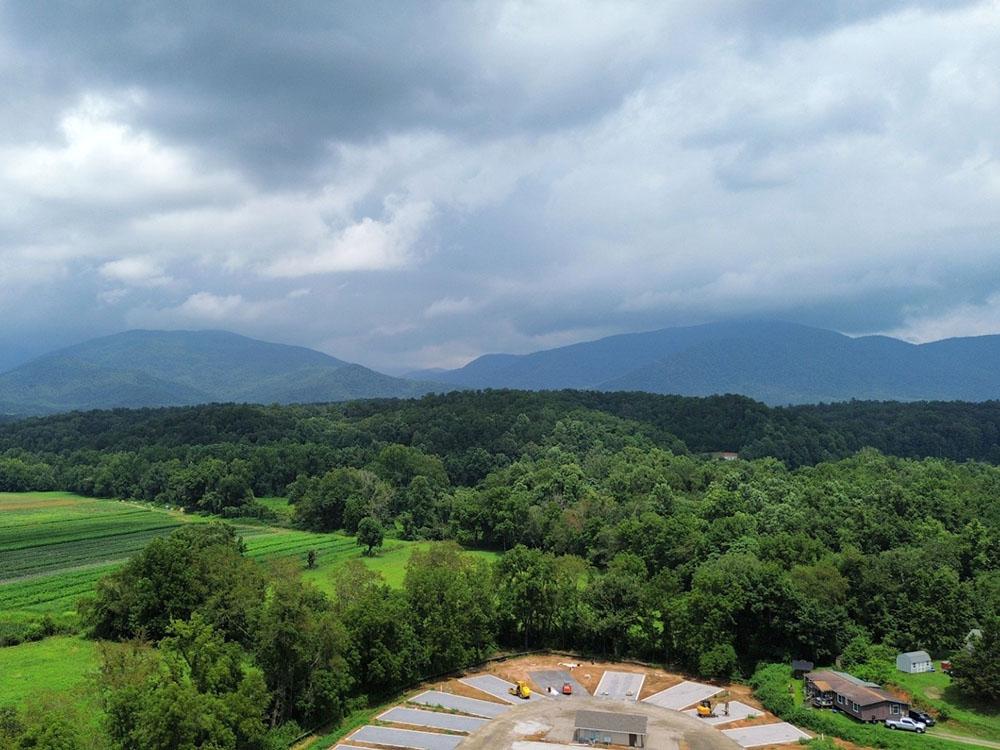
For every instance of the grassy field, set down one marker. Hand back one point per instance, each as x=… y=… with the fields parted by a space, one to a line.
x=55 y=546
x=60 y=664
x=934 y=691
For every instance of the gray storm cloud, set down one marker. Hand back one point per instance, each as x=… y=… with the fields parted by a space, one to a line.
x=412 y=184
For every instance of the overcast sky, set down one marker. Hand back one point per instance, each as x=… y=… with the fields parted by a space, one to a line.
x=414 y=184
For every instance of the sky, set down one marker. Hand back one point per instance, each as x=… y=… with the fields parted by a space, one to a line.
x=412 y=184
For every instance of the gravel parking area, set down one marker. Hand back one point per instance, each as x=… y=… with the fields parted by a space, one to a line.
x=554 y=678
x=469 y=706
x=620 y=686
x=766 y=734
x=681 y=696
x=432 y=719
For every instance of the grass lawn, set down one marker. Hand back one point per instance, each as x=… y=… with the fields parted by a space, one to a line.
x=58 y=664
x=279 y=506
x=390 y=562
x=934 y=691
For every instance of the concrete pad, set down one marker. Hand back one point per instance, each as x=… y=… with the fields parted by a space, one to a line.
x=766 y=734
x=471 y=706
x=554 y=678
x=406 y=738
x=683 y=695
x=432 y=719
x=620 y=686
x=737 y=711
x=529 y=745
x=493 y=685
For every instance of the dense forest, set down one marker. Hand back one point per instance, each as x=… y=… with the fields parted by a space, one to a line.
x=623 y=536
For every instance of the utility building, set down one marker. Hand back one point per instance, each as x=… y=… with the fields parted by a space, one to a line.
x=914 y=661
x=606 y=728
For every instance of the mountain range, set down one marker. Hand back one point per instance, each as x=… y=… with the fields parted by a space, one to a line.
x=177 y=368
x=774 y=362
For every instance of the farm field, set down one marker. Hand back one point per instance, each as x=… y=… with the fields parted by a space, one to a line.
x=55 y=546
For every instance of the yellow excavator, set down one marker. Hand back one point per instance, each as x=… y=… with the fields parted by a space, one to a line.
x=709 y=708
x=521 y=690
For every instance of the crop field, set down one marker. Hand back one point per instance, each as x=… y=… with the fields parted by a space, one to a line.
x=48 y=532
x=55 y=546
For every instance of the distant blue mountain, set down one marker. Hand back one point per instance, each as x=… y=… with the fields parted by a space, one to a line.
x=175 y=368
x=775 y=362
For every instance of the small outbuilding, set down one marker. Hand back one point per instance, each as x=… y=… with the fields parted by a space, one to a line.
x=607 y=728
x=800 y=667
x=914 y=661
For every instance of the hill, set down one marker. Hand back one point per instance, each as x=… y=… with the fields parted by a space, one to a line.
x=177 y=368
x=774 y=362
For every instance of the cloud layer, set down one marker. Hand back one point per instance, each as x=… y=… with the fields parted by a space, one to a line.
x=411 y=185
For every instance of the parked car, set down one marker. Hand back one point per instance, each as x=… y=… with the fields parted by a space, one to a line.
x=923 y=717
x=821 y=701
x=907 y=724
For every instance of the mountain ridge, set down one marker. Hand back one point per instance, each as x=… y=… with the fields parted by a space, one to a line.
x=772 y=361
x=141 y=368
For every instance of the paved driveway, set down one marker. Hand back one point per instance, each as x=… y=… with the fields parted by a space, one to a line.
x=620 y=686
x=554 y=678
x=470 y=706
x=766 y=734
x=737 y=711
x=683 y=695
x=493 y=685
x=407 y=738
x=432 y=719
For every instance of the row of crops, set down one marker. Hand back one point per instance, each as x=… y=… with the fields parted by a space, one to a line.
x=53 y=550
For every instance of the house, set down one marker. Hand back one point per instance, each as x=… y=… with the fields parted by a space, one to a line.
x=864 y=701
x=602 y=727
x=974 y=636
x=914 y=661
x=800 y=667
x=725 y=456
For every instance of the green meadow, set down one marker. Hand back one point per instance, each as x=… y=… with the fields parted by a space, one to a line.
x=54 y=546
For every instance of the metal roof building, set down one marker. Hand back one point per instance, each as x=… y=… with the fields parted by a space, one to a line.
x=914 y=661
x=628 y=730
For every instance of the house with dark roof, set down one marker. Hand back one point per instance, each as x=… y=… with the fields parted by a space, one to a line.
x=607 y=728
x=864 y=701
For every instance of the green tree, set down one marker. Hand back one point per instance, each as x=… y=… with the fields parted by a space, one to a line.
x=370 y=534
x=386 y=650
x=194 y=691
x=976 y=669
x=452 y=607
x=302 y=648
x=199 y=567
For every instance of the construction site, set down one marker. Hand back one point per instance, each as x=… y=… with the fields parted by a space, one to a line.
x=552 y=703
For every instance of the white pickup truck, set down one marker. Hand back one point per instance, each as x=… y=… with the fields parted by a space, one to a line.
x=907 y=724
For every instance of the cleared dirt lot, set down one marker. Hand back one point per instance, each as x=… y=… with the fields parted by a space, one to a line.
x=667 y=730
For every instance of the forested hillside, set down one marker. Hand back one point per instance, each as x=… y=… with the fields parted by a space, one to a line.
x=620 y=536
x=176 y=368
x=773 y=361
